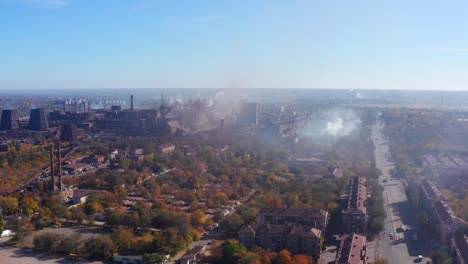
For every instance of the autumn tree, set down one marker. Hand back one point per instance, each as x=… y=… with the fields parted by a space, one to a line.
x=232 y=223
x=124 y=239
x=232 y=250
x=303 y=259
x=198 y=217
x=284 y=257
x=100 y=247
x=9 y=204
x=2 y=223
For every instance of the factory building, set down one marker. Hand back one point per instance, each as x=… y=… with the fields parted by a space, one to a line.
x=10 y=120
x=38 y=120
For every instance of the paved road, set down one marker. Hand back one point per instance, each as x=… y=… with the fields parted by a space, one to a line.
x=202 y=242
x=401 y=249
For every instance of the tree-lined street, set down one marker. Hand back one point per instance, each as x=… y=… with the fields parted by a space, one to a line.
x=399 y=242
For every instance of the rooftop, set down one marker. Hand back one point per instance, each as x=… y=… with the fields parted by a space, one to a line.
x=357 y=196
x=293 y=212
x=352 y=250
x=298 y=230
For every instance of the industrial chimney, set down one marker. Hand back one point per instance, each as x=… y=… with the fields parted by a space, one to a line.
x=59 y=167
x=131 y=102
x=52 y=185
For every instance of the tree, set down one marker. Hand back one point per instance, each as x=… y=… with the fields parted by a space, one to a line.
x=441 y=256
x=2 y=224
x=198 y=217
x=232 y=250
x=124 y=239
x=29 y=205
x=232 y=223
x=46 y=241
x=100 y=247
x=9 y=205
x=78 y=214
x=120 y=193
x=132 y=220
x=114 y=217
x=284 y=257
x=250 y=258
x=302 y=259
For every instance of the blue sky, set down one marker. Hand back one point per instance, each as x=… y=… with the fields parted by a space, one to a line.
x=374 y=44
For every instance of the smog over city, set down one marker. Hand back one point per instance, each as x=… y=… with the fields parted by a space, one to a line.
x=250 y=131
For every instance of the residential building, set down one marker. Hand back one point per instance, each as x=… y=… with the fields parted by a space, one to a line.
x=354 y=215
x=442 y=219
x=334 y=172
x=81 y=195
x=137 y=151
x=297 y=229
x=298 y=239
x=316 y=218
x=166 y=149
x=136 y=154
x=352 y=250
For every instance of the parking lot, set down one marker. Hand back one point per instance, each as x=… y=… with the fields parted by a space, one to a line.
x=84 y=232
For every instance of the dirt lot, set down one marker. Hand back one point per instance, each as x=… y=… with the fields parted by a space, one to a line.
x=11 y=255
x=84 y=231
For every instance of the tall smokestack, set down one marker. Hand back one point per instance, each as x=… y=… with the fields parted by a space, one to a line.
x=59 y=167
x=131 y=102
x=52 y=185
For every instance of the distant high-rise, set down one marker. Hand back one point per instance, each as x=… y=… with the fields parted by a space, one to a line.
x=68 y=133
x=249 y=114
x=10 y=120
x=38 y=120
x=116 y=108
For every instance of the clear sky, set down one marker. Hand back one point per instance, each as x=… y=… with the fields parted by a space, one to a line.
x=380 y=44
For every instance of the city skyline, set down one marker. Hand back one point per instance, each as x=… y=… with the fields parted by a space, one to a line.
x=59 y=44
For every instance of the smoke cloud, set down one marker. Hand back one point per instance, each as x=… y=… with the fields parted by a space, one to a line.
x=333 y=123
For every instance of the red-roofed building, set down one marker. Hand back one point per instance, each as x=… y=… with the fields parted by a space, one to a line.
x=354 y=216
x=352 y=250
x=298 y=216
x=297 y=239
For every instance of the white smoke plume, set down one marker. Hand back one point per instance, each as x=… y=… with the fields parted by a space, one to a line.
x=333 y=123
